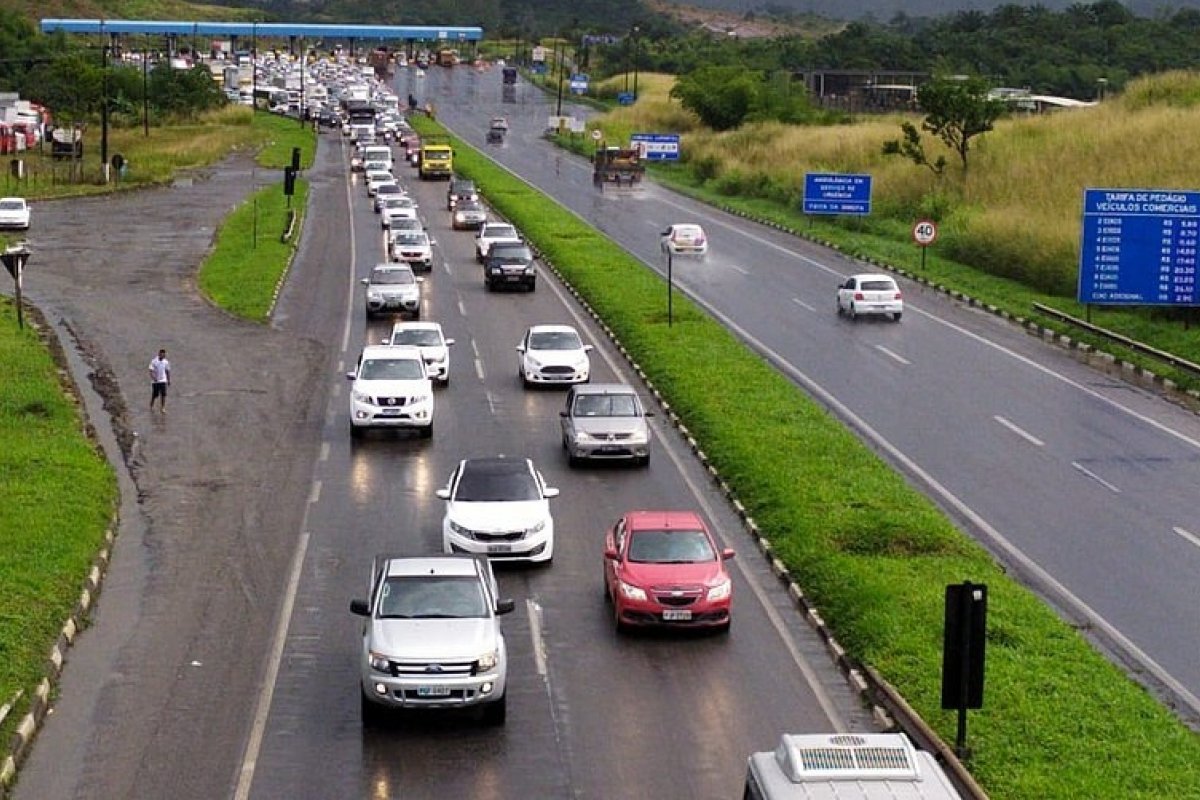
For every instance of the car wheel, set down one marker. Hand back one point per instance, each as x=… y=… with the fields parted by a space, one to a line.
x=445 y=381
x=723 y=630
x=644 y=461
x=530 y=286
x=853 y=313
x=356 y=432
x=427 y=431
x=372 y=714
x=496 y=712
x=572 y=459
x=896 y=317
x=840 y=311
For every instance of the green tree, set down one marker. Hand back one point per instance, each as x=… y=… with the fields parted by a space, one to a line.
x=956 y=111
x=721 y=97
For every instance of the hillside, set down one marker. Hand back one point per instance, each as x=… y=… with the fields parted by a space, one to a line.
x=127 y=9
x=884 y=10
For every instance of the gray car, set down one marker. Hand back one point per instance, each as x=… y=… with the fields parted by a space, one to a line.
x=605 y=421
x=393 y=289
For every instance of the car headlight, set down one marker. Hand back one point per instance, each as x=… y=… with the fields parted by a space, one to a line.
x=638 y=437
x=529 y=269
x=720 y=591
x=583 y=436
x=374 y=294
x=537 y=527
x=631 y=592
x=459 y=529
x=379 y=662
x=362 y=397
x=533 y=362
x=487 y=661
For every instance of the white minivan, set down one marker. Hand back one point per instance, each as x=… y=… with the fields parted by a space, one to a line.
x=378 y=153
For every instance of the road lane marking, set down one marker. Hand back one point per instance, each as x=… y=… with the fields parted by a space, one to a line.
x=1095 y=477
x=353 y=258
x=1026 y=435
x=336 y=391
x=535 y=633
x=324 y=452
x=314 y=496
x=736 y=268
x=474 y=346
x=446 y=266
x=803 y=304
x=491 y=401
x=479 y=368
x=892 y=355
x=463 y=311
x=1191 y=537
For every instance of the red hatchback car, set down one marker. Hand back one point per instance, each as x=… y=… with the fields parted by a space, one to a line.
x=664 y=568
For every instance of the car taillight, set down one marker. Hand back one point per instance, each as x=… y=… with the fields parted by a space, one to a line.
x=699 y=240
x=898 y=295
x=858 y=295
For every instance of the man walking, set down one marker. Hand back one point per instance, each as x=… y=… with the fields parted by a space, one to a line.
x=160 y=379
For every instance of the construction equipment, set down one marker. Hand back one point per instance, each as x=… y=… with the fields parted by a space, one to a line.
x=617 y=165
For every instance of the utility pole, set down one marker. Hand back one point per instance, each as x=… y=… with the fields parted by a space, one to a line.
x=637 y=51
x=560 y=58
x=104 y=105
x=146 y=85
x=254 y=65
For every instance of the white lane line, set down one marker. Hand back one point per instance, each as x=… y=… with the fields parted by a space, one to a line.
x=446 y=266
x=1019 y=431
x=463 y=310
x=736 y=268
x=535 y=633
x=474 y=346
x=894 y=356
x=314 y=496
x=1191 y=537
x=263 y=710
x=491 y=401
x=341 y=367
x=350 y=294
x=336 y=391
x=803 y=304
x=324 y=452
x=1095 y=477
x=479 y=368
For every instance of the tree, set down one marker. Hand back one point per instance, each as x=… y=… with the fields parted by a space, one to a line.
x=720 y=96
x=911 y=148
x=956 y=111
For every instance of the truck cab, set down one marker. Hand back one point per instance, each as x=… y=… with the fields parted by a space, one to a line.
x=436 y=160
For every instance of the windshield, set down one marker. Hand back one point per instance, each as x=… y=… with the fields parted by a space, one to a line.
x=392 y=277
x=555 y=340
x=432 y=597
x=501 y=232
x=409 y=238
x=511 y=254
x=421 y=337
x=606 y=405
x=391 y=369
x=490 y=483
x=669 y=547
x=436 y=155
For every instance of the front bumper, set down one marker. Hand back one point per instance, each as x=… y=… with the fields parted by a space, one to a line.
x=430 y=691
x=609 y=450
x=368 y=415
x=394 y=305
x=536 y=547
x=553 y=375
x=650 y=613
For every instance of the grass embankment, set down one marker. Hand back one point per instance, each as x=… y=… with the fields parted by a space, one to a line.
x=58 y=490
x=1060 y=720
x=59 y=495
x=1009 y=231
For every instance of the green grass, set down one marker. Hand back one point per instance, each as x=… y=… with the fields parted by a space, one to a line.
x=245 y=267
x=59 y=495
x=1060 y=720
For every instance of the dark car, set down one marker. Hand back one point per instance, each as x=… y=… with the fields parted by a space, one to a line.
x=510 y=264
x=460 y=189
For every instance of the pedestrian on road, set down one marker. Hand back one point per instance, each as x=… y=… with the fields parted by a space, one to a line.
x=160 y=379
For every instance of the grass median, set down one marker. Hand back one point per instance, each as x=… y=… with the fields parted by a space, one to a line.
x=1060 y=720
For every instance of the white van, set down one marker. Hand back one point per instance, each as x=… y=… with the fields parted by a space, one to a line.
x=848 y=766
x=378 y=153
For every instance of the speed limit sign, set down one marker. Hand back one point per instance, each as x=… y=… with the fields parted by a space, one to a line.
x=597 y=135
x=925 y=232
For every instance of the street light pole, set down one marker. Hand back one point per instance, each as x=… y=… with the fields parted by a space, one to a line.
x=254 y=66
x=560 y=58
x=104 y=105
x=145 y=85
x=637 y=51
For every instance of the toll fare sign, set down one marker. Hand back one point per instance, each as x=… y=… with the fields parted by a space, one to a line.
x=1140 y=247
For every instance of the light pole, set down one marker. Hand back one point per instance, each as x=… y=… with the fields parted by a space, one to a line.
x=670 y=278
x=637 y=50
x=145 y=85
x=559 y=57
x=104 y=105
x=254 y=65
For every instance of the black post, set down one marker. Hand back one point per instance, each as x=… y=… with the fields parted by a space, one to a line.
x=303 y=64
x=561 y=57
x=923 y=249
x=254 y=67
x=637 y=51
x=964 y=643
x=104 y=105
x=145 y=86
x=670 y=288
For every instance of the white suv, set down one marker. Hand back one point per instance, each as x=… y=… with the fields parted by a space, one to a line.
x=498 y=507
x=431 y=637
x=391 y=390
x=434 y=346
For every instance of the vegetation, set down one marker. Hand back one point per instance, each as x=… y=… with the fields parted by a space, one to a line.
x=1060 y=720
x=956 y=111
x=724 y=97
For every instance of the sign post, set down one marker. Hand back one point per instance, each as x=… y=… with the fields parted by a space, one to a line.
x=14 y=259
x=833 y=193
x=963 y=654
x=924 y=233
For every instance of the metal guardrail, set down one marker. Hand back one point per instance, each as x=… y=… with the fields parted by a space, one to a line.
x=1124 y=341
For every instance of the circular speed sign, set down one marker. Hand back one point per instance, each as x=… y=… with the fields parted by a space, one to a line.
x=925 y=232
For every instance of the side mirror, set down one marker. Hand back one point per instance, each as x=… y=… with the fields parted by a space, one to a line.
x=587 y=348
x=549 y=492
x=365 y=281
x=505 y=606
x=433 y=242
x=610 y=554
x=449 y=342
x=726 y=554
x=520 y=348
x=564 y=413
x=419 y=279
x=667 y=232
x=350 y=376
x=443 y=494
x=360 y=608
x=648 y=414
x=382 y=341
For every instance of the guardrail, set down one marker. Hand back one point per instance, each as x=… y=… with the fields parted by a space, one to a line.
x=1125 y=341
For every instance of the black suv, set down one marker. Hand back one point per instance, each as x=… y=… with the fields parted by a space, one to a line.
x=460 y=189
x=509 y=264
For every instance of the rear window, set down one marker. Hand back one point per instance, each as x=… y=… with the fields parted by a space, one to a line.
x=878 y=286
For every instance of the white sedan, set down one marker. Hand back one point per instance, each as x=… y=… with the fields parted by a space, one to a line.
x=553 y=354
x=685 y=239
x=14 y=213
x=870 y=294
x=498 y=507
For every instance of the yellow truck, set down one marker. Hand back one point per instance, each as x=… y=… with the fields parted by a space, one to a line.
x=436 y=159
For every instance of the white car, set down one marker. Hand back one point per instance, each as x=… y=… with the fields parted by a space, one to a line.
x=377 y=178
x=870 y=294
x=498 y=507
x=553 y=354
x=685 y=239
x=14 y=213
x=489 y=234
x=430 y=637
x=414 y=248
x=395 y=208
x=385 y=192
x=391 y=389
x=433 y=344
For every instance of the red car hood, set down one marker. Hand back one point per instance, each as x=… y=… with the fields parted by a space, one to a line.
x=705 y=573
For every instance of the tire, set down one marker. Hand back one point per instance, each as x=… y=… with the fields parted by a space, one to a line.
x=840 y=311
x=572 y=459
x=531 y=286
x=427 y=432
x=896 y=317
x=644 y=461
x=372 y=714
x=496 y=712
x=852 y=312
x=356 y=432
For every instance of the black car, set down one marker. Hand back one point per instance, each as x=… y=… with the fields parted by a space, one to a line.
x=509 y=265
x=460 y=189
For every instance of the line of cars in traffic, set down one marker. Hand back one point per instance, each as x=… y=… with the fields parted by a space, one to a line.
x=430 y=633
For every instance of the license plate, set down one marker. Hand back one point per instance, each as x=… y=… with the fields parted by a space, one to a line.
x=512 y=278
x=389 y=412
x=433 y=691
x=499 y=548
x=673 y=615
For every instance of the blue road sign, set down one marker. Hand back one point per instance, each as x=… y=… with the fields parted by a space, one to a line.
x=579 y=83
x=1139 y=247
x=625 y=98
x=657 y=146
x=832 y=193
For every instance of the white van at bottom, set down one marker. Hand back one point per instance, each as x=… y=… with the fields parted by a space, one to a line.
x=847 y=766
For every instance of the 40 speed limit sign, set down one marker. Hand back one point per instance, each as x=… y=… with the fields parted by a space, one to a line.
x=925 y=232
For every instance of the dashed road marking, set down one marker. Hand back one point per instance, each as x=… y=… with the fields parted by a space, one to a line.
x=1191 y=537
x=1019 y=431
x=803 y=304
x=1095 y=477
x=894 y=356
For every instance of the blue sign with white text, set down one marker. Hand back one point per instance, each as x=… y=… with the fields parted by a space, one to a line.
x=579 y=83
x=1139 y=247
x=833 y=193
x=657 y=146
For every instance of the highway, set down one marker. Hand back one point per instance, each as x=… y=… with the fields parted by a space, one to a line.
x=1081 y=483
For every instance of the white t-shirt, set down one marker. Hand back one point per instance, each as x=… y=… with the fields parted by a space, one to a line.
x=160 y=369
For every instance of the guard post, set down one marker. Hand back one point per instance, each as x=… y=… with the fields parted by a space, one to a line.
x=963 y=654
x=14 y=259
